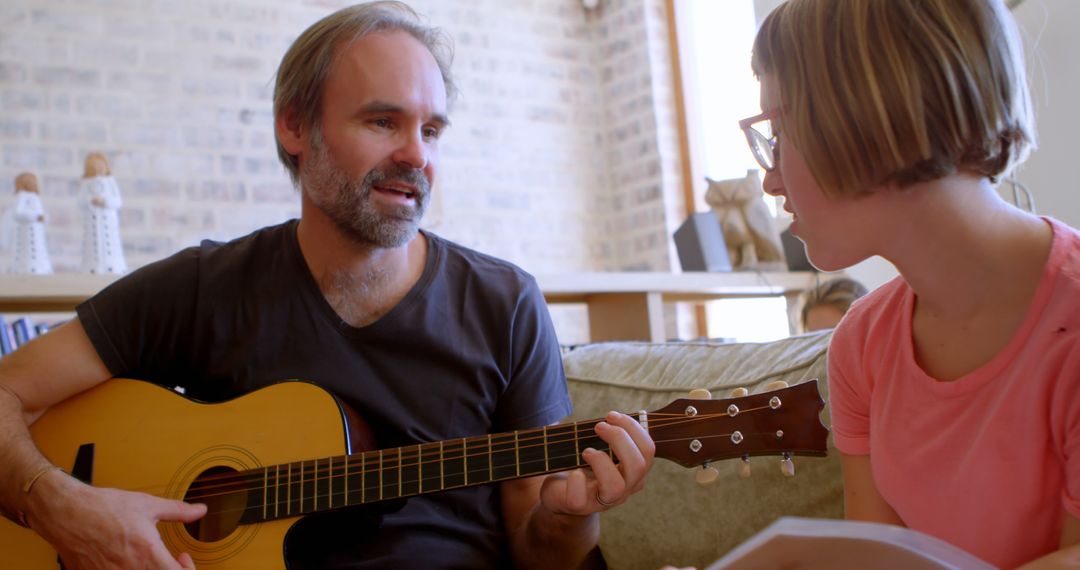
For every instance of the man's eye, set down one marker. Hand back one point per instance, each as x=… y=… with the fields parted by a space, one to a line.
x=432 y=133
x=382 y=123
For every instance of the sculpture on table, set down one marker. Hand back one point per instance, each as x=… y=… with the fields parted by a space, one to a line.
x=749 y=234
x=102 y=249
x=31 y=253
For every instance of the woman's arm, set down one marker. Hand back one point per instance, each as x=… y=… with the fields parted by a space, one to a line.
x=862 y=501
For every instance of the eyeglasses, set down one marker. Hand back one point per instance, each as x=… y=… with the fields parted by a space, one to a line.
x=765 y=148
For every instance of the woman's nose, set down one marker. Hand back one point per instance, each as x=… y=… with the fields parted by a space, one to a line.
x=773 y=183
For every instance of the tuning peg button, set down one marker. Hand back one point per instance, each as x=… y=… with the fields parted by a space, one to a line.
x=700 y=394
x=744 y=467
x=776 y=385
x=739 y=393
x=707 y=476
x=787 y=466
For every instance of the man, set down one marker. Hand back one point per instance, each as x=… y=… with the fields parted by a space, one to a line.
x=427 y=340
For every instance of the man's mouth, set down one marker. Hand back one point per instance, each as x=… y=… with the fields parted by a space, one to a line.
x=406 y=192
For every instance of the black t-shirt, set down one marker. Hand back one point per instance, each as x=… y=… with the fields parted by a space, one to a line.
x=469 y=350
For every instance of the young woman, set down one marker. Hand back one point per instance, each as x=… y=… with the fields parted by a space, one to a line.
x=955 y=388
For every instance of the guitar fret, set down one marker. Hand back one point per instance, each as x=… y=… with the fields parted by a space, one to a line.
x=517 y=454
x=301 y=508
x=288 y=490
x=346 y=480
x=465 y=459
x=277 y=488
x=577 y=446
x=546 y=463
x=400 y=464
x=442 y=475
x=491 y=468
x=419 y=469
x=363 y=475
x=266 y=482
x=380 y=474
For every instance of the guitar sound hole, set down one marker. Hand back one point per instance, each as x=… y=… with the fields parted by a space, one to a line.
x=225 y=506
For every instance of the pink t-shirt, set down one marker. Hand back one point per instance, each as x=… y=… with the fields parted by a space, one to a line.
x=991 y=461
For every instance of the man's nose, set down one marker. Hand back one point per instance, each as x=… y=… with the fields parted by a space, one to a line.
x=412 y=152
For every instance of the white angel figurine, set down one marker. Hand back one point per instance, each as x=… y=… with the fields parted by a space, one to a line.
x=102 y=250
x=31 y=254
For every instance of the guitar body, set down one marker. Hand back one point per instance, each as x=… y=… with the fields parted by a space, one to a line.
x=147 y=438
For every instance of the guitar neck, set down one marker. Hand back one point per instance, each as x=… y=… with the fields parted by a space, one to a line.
x=304 y=487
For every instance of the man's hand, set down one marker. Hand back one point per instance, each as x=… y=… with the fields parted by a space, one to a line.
x=583 y=492
x=94 y=528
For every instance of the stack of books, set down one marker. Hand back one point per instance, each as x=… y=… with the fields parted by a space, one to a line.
x=19 y=332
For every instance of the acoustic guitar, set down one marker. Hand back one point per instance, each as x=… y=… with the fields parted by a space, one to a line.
x=263 y=460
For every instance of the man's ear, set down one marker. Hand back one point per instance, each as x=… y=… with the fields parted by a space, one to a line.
x=289 y=131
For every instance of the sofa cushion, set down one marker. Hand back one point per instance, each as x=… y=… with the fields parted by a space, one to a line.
x=674 y=520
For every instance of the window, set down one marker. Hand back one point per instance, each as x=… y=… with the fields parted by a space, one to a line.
x=714 y=41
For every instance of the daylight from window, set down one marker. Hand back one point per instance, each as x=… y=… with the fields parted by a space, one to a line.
x=715 y=40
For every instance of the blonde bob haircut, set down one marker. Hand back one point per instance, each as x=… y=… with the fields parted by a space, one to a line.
x=897 y=92
x=302 y=75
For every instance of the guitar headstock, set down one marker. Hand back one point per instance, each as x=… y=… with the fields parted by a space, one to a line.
x=691 y=432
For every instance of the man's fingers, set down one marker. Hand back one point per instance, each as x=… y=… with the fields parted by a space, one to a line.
x=180 y=511
x=162 y=558
x=609 y=480
x=637 y=432
x=185 y=561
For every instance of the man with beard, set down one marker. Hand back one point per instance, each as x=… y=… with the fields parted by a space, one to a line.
x=427 y=340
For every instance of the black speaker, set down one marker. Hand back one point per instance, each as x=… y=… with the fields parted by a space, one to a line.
x=700 y=243
x=795 y=252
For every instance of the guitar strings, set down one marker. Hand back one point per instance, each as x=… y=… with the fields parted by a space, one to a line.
x=333 y=499
x=402 y=458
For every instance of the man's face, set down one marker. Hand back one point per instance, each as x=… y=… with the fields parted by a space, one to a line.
x=370 y=166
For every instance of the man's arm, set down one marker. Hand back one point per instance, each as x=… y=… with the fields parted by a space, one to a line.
x=89 y=527
x=553 y=521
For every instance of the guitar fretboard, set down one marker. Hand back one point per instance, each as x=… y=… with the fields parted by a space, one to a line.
x=293 y=489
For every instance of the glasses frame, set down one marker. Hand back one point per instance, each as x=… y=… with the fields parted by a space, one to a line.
x=759 y=142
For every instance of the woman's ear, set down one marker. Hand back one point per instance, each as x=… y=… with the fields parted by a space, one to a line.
x=290 y=132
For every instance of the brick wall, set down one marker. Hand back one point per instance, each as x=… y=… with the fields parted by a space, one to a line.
x=563 y=154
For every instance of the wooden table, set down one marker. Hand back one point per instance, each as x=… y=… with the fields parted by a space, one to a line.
x=630 y=306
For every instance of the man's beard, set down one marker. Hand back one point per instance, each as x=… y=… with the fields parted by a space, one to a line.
x=348 y=203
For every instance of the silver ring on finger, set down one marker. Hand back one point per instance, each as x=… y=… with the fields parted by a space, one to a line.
x=602 y=502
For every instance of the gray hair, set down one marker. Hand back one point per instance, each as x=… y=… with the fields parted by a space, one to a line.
x=302 y=74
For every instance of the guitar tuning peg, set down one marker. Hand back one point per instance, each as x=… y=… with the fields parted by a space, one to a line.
x=775 y=385
x=740 y=393
x=707 y=476
x=787 y=466
x=744 y=467
x=700 y=394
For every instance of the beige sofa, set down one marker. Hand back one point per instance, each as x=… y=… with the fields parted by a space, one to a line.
x=674 y=520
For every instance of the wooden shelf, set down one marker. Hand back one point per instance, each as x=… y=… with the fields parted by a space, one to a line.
x=622 y=305
x=48 y=293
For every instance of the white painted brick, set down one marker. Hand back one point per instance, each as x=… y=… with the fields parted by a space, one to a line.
x=12 y=72
x=15 y=129
x=66 y=130
x=36 y=158
x=69 y=21
x=16 y=101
